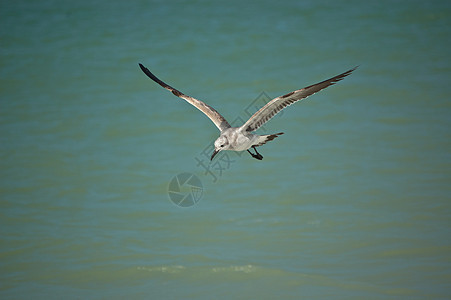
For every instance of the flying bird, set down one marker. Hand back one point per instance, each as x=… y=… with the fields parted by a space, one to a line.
x=242 y=138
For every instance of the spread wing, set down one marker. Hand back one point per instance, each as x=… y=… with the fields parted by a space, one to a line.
x=277 y=104
x=209 y=111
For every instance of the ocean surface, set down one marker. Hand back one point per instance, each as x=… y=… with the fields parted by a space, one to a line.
x=107 y=191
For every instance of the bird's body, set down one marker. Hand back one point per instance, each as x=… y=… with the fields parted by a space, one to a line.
x=238 y=140
x=241 y=138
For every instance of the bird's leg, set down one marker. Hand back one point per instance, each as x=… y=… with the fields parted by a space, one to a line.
x=257 y=156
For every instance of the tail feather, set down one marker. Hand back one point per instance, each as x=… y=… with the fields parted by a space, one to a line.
x=266 y=138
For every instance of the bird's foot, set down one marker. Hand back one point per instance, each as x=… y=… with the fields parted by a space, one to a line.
x=256 y=155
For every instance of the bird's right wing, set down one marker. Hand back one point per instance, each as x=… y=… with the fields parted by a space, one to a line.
x=209 y=111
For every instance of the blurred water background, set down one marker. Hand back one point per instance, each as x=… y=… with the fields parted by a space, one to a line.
x=352 y=202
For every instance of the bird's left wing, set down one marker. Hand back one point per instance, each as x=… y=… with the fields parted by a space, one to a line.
x=277 y=104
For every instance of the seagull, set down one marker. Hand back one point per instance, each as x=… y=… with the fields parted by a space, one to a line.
x=242 y=138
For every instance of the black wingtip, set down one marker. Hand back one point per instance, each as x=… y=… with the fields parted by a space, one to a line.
x=150 y=75
x=355 y=68
x=144 y=69
x=351 y=70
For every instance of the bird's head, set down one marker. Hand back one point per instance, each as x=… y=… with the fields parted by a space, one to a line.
x=221 y=143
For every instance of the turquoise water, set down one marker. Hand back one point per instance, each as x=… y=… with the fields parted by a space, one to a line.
x=352 y=202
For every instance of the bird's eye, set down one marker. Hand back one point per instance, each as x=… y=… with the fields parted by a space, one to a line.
x=222 y=146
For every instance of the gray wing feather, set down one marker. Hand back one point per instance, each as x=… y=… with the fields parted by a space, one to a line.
x=209 y=111
x=274 y=106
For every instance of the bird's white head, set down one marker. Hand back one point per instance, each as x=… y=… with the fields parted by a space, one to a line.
x=221 y=143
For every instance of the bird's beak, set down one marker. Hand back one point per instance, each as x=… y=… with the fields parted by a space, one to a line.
x=214 y=154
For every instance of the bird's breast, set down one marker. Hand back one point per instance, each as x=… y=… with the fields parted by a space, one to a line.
x=240 y=141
